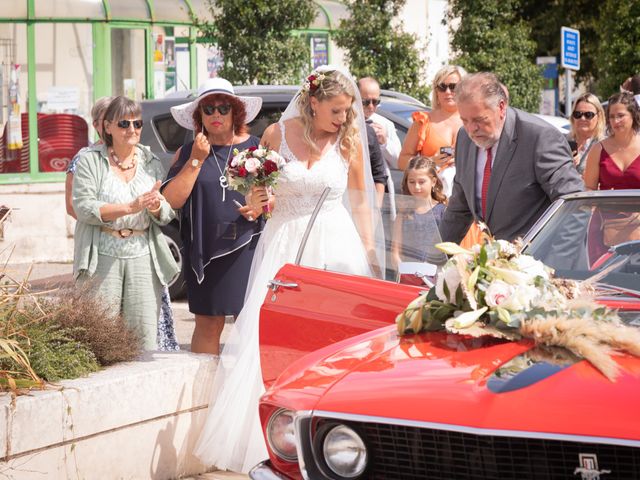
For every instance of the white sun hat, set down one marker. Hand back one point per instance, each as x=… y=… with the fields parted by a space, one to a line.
x=183 y=114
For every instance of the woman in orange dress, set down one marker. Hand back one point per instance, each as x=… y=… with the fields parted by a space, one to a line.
x=433 y=134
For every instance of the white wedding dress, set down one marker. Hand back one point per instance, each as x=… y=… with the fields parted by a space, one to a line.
x=232 y=438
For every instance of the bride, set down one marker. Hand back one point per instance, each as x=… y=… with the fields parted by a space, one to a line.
x=322 y=138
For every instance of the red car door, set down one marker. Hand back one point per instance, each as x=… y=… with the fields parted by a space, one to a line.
x=332 y=307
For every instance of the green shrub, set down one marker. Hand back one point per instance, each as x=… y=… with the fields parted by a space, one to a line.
x=66 y=334
x=54 y=353
x=95 y=323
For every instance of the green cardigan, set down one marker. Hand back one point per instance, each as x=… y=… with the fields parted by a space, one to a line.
x=92 y=166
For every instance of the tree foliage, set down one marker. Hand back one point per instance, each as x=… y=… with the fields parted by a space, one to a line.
x=376 y=45
x=256 y=39
x=547 y=17
x=492 y=37
x=618 y=53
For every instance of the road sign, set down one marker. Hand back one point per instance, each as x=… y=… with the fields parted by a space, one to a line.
x=570 y=48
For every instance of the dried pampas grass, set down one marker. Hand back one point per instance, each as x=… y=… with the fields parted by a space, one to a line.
x=592 y=340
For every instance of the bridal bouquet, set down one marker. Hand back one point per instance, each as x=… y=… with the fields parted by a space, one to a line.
x=254 y=166
x=494 y=289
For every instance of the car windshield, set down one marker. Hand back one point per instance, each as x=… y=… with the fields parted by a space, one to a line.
x=589 y=236
x=407 y=254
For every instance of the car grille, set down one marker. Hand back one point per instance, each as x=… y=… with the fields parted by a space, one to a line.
x=404 y=452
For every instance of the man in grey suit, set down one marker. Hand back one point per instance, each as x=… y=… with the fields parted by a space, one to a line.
x=510 y=165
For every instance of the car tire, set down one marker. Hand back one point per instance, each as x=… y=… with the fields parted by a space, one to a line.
x=177 y=285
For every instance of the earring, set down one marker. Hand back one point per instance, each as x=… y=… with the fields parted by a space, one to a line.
x=313 y=113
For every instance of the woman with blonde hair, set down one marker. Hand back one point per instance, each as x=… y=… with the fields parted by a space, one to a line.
x=433 y=134
x=322 y=138
x=587 y=128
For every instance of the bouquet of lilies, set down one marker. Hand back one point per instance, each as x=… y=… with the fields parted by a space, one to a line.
x=254 y=166
x=494 y=289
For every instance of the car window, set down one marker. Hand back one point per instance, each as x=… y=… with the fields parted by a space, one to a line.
x=410 y=235
x=588 y=236
x=268 y=114
x=170 y=134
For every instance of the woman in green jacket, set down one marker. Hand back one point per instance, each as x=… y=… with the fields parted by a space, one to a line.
x=119 y=247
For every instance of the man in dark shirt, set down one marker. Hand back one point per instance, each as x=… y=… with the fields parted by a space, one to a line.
x=377 y=164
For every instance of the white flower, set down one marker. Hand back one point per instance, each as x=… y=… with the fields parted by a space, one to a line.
x=252 y=165
x=521 y=299
x=507 y=249
x=531 y=266
x=466 y=319
x=497 y=293
x=260 y=152
x=451 y=276
x=512 y=277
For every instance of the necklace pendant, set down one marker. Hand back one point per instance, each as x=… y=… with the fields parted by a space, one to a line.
x=224 y=183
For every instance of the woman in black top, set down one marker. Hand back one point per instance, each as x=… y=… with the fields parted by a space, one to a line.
x=219 y=237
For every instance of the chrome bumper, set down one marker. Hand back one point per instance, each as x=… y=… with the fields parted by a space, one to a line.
x=263 y=471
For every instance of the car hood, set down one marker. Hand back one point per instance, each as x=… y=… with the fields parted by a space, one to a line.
x=481 y=383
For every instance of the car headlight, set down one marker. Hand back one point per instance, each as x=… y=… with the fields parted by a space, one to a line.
x=281 y=435
x=345 y=452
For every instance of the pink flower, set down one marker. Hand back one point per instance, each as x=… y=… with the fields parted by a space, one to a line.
x=252 y=165
x=497 y=293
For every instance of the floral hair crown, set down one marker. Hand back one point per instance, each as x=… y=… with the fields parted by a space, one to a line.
x=313 y=82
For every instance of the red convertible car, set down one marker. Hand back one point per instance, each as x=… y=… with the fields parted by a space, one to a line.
x=348 y=398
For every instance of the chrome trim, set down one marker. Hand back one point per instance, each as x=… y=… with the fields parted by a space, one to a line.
x=476 y=430
x=631 y=193
x=263 y=471
x=275 y=284
x=302 y=421
x=312 y=220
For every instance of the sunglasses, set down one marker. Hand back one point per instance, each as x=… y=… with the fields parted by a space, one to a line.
x=211 y=109
x=588 y=115
x=444 y=86
x=371 y=101
x=137 y=124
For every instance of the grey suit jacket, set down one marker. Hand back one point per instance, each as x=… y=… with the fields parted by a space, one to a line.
x=531 y=169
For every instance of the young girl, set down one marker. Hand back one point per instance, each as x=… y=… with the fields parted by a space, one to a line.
x=415 y=231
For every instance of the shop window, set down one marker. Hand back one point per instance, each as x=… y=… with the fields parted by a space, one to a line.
x=128 y=62
x=14 y=142
x=64 y=92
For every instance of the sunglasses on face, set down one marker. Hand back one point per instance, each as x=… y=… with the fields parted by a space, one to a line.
x=444 y=86
x=578 y=115
x=211 y=109
x=124 y=124
x=371 y=101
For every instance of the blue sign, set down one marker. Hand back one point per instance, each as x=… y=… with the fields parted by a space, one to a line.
x=570 y=48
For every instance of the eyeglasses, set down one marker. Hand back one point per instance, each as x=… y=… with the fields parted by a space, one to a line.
x=443 y=86
x=370 y=101
x=211 y=109
x=124 y=124
x=588 y=115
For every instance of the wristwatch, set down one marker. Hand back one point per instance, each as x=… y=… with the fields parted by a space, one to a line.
x=196 y=163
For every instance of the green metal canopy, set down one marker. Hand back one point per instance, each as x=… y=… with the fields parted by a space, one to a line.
x=151 y=11
x=140 y=11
